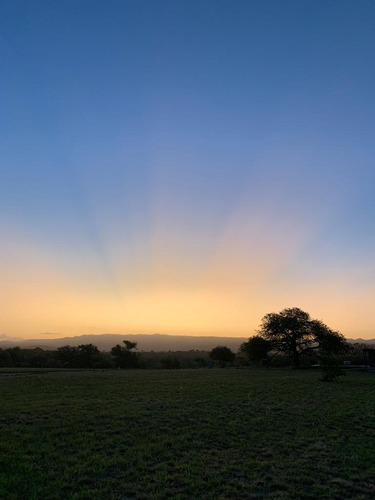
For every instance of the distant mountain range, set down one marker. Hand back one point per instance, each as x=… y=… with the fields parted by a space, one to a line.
x=151 y=342
x=362 y=341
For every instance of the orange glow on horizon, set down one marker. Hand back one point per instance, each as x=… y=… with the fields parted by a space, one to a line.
x=228 y=299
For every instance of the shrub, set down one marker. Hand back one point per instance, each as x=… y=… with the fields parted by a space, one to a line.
x=331 y=370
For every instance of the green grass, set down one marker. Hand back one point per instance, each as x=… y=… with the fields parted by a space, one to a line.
x=192 y=434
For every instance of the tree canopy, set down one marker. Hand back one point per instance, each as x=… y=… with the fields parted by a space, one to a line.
x=222 y=354
x=83 y=356
x=293 y=331
x=256 y=349
x=125 y=357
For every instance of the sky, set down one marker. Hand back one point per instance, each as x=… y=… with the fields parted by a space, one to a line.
x=186 y=167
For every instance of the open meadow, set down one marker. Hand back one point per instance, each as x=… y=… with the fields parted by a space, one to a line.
x=186 y=434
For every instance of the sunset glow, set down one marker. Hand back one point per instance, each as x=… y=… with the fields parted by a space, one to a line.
x=150 y=186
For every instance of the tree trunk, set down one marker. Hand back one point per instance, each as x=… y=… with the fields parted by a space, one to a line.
x=296 y=360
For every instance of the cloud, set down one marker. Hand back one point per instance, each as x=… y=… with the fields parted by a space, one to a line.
x=51 y=333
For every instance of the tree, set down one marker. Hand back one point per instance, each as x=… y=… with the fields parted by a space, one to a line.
x=294 y=332
x=88 y=355
x=67 y=355
x=222 y=354
x=256 y=349
x=5 y=358
x=83 y=356
x=16 y=355
x=125 y=357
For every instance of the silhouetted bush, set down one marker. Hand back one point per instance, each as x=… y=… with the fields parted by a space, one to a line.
x=331 y=369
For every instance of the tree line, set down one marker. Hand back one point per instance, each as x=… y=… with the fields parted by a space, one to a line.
x=290 y=337
x=88 y=356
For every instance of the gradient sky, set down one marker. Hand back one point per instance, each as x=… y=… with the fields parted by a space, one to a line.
x=186 y=166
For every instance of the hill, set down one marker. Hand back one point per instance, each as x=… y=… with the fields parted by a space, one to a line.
x=146 y=342
x=362 y=341
x=152 y=342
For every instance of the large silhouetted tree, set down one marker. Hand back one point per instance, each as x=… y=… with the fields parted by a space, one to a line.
x=294 y=332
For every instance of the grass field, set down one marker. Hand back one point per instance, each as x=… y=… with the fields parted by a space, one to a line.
x=189 y=434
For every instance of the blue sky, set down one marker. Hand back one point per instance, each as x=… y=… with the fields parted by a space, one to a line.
x=155 y=151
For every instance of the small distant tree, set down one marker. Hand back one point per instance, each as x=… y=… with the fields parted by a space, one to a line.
x=67 y=355
x=223 y=355
x=125 y=357
x=256 y=349
x=16 y=355
x=87 y=355
x=5 y=358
